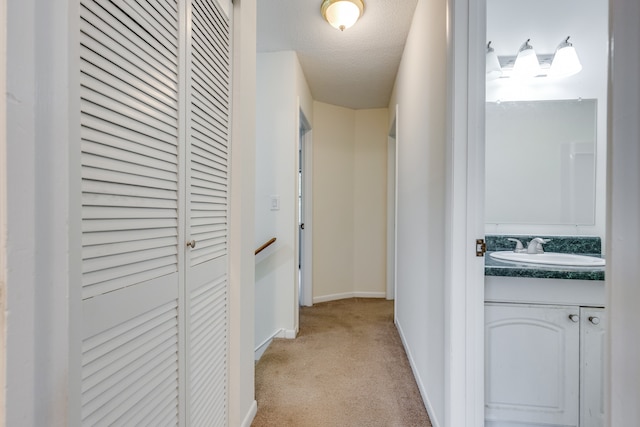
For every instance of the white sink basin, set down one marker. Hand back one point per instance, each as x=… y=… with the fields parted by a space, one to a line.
x=549 y=258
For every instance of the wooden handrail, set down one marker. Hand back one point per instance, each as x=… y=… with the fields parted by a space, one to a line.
x=263 y=247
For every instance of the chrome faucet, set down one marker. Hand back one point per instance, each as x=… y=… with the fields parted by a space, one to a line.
x=535 y=245
x=519 y=248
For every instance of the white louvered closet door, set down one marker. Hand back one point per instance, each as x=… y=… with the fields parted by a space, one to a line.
x=154 y=128
x=207 y=195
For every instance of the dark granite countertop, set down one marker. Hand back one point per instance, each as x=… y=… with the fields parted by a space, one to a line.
x=577 y=245
x=494 y=267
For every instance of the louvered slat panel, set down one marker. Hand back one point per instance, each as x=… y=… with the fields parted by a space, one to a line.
x=129 y=118
x=127 y=84
x=210 y=139
x=115 y=43
x=216 y=148
x=109 y=237
x=103 y=84
x=122 y=107
x=208 y=352
x=100 y=282
x=153 y=17
x=203 y=94
x=209 y=128
x=140 y=36
x=207 y=88
x=98 y=251
x=210 y=165
x=118 y=189
x=209 y=155
x=110 y=176
x=158 y=403
x=125 y=139
x=209 y=41
x=96 y=199
x=217 y=29
x=129 y=224
x=101 y=143
x=203 y=194
x=123 y=364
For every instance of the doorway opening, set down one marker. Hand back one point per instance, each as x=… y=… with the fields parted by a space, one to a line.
x=392 y=207
x=304 y=213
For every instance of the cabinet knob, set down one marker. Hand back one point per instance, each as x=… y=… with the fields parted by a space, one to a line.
x=191 y=244
x=574 y=318
x=595 y=320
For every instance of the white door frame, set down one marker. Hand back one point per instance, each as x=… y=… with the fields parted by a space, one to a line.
x=392 y=206
x=622 y=351
x=3 y=195
x=304 y=141
x=464 y=277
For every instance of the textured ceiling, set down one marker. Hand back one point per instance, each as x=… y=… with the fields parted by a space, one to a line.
x=355 y=68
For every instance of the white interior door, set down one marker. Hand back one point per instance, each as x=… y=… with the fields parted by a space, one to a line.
x=130 y=223
x=155 y=108
x=206 y=219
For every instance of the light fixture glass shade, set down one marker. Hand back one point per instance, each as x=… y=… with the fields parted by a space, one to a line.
x=342 y=14
x=565 y=61
x=526 y=64
x=494 y=70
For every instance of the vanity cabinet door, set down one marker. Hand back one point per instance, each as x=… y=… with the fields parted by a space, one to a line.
x=532 y=365
x=592 y=344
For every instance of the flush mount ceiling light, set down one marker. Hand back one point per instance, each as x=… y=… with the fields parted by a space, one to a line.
x=526 y=64
x=342 y=14
x=565 y=61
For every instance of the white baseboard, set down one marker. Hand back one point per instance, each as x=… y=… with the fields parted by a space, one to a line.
x=287 y=333
x=261 y=348
x=251 y=414
x=280 y=333
x=416 y=374
x=346 y=295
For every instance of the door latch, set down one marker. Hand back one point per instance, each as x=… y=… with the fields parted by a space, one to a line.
x=481 y=247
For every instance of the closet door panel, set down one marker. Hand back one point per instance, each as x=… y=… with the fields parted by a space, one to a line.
x=131 y=231
x=207 y=207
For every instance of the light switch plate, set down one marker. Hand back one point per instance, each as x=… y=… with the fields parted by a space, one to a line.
x=274 y=203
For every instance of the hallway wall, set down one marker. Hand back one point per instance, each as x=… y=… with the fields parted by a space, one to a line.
x=420 y=93
x=370 y=201
x=349 y=202
x=281 y=91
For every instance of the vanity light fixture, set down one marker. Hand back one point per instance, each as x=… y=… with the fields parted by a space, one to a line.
x=494 y=70
x=526 y=64
x=342 y=14
x=565 y=61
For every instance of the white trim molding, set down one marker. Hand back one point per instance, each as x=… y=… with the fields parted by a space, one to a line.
x=251 y=414
x=464 y=277
x=416 y=373
x=345 y=295
x=280 y=333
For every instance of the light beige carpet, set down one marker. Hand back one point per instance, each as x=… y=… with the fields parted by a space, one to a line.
x=346 y=368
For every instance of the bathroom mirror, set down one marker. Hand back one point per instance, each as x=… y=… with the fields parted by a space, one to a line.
x=540 y=162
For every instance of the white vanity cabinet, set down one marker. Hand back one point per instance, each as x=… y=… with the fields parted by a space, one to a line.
x=543 y=365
